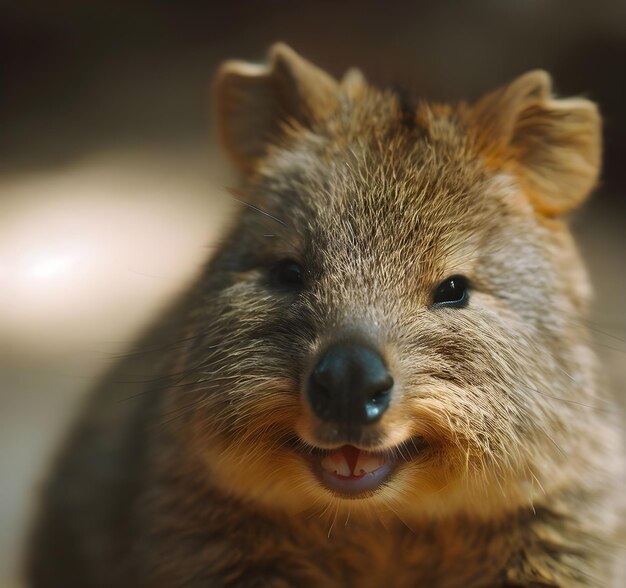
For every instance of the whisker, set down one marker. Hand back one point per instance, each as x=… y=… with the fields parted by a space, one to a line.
x=235 y=197
x=567 y=400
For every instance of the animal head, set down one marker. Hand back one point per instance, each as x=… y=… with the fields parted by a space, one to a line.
x=393 y=322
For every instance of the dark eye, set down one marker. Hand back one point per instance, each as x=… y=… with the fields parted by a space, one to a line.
x=287 y=273
x=453 y=291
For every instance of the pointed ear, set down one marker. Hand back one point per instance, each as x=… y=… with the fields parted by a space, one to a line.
x=256 y=103
x=552 y=145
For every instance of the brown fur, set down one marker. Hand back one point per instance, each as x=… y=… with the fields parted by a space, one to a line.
x=204 y=479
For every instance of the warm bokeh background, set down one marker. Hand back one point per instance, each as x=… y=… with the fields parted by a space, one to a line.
x=111 y=187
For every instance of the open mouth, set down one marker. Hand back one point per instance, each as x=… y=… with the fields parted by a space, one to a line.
x=352 y=472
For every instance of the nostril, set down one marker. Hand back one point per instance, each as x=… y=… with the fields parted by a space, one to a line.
x=378 y=401
x=380 y=386
x=321 y=390
x=381 y=396
x=321 y=380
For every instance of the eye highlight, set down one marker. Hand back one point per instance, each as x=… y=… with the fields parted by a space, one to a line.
x=453 y=291
x=287 y=273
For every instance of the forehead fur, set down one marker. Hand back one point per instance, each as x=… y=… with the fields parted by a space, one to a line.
x=380 y=165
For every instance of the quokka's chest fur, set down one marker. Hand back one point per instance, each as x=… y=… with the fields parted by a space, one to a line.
x=236 y=542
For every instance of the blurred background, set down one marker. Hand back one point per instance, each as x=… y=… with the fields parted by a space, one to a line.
x=112 y=188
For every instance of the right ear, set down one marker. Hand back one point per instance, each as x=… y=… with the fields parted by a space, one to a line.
x=257 y=103
x=553 y=145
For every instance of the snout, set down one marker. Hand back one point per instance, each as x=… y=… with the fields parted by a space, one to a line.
x=350 y=385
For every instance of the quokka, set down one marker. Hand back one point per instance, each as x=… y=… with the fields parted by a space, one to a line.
x=383 y=377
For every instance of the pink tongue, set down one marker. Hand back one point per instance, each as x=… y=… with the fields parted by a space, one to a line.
x=351 y=455
x=350 y=462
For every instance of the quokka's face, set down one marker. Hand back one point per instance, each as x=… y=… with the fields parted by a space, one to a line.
x=393 y=317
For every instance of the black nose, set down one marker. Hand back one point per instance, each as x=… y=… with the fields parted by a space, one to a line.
x=350 y=385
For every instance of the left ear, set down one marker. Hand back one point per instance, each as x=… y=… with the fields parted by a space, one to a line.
x=553 y=146
x=255 y=103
